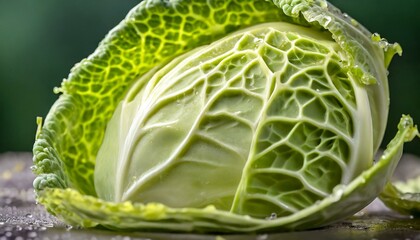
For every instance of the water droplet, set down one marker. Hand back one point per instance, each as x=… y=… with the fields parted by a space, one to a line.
x=8 y=201
x=1 y=223
x=8 y=229
x=258 y=40
x=338 y=192
x=28 y=215
x=354 y=23
x=359 y=214
x=69 y=227
x=327 y=20
x=273 y=216
x=42 y=228
x=32 y=234
x=262 y=237
x=47 y=225
x=383 y=44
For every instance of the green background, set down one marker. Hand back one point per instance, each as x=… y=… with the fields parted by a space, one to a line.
x=41 y=40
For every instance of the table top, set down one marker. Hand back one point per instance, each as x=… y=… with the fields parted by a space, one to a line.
x=21 y=218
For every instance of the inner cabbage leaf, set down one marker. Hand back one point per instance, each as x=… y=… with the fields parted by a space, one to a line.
x=259 y=122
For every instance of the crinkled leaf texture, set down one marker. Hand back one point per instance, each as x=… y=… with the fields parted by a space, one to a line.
x=221 y=116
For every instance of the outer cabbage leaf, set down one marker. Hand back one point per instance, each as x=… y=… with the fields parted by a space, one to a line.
x=153 y=33
x=403 y=197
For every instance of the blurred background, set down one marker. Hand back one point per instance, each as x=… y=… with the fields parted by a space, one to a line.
x=41 y=40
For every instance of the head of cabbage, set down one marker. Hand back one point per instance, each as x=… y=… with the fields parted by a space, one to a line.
x=221 y=116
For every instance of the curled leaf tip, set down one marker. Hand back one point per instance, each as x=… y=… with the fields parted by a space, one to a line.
x=39 y=127
x=58 y=90
x=390 y=49
x=406 y=122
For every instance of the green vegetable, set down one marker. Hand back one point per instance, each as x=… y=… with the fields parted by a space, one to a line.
x=221 y=116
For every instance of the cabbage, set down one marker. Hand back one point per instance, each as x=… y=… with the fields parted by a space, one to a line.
x=222 y=116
